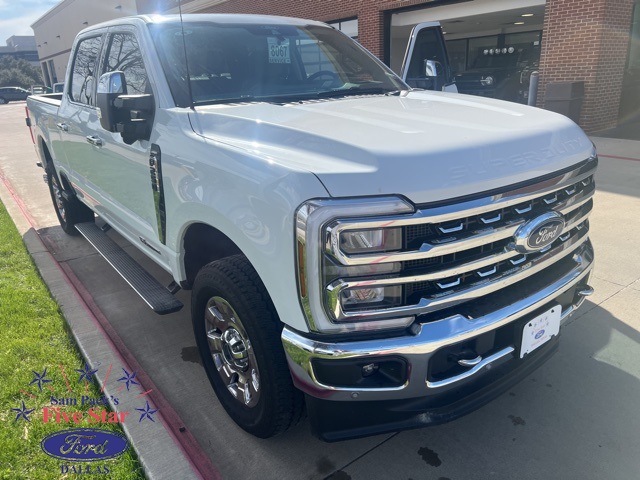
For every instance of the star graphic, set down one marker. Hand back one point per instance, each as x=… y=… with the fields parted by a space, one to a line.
x=23 y=412
x=39 y=378
x=87 y=373
x=128 y=378
x=147 y=412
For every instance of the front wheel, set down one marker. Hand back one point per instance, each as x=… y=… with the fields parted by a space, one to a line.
x=238 y=335
x=69 y=209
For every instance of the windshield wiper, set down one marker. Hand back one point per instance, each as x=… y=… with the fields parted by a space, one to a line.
x=301 y=96
x=357 y=90
x=216 y=101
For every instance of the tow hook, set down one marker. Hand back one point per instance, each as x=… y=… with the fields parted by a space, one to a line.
x=585 y=291
x=466 y=358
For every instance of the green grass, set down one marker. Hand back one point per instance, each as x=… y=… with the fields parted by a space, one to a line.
x=34 y=336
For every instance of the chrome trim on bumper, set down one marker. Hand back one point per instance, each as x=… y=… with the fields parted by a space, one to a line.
x=418 y=349
x=502 y=354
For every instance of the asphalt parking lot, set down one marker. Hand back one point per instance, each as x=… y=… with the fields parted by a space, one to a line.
x=574 y=418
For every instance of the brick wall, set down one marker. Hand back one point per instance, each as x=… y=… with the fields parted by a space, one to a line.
x=587 y=41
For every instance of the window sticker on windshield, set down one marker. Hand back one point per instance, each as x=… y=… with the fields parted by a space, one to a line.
x=278 y=50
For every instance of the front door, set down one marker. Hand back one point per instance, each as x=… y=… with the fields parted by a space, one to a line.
x=122 y=175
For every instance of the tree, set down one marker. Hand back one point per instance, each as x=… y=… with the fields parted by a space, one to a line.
x=18 y=73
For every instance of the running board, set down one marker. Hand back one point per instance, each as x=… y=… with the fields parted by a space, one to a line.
x=150 y=290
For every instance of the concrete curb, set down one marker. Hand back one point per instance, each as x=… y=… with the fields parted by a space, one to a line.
x=160 y=452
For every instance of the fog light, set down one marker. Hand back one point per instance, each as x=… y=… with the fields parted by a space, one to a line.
x=371 y=241
x=386 y=372
x=369 y=369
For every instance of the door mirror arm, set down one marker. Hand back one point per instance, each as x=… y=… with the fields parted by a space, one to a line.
x=431 y=68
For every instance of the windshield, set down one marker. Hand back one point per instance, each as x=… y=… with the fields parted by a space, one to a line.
x=237 y=62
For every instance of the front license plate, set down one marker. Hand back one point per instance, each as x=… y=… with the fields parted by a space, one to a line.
x=540 y=329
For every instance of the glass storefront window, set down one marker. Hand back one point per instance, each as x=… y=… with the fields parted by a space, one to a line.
x=348 y=27
x=634 y=41
x=477 y=46
x=457 y=55
x=522 y=37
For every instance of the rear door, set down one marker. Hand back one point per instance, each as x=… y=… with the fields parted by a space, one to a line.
x=78 y=116
x=427 y=48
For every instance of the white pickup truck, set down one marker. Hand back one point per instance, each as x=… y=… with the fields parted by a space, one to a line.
x=391 y=257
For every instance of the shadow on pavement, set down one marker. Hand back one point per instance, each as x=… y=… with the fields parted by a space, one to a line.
x=571 y=419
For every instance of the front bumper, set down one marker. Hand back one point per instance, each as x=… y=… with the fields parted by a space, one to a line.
x=420 y=398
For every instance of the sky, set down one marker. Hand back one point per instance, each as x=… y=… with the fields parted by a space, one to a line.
x=16 y=16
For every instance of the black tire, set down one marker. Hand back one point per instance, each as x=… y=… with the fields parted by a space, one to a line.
x=69 y=209
x=232 y=288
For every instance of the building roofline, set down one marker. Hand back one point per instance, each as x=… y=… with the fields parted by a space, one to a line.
x=56 y=8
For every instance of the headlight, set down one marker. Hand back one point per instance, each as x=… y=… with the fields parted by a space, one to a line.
x=487 y=81
x=334 y=248
x=370 y=241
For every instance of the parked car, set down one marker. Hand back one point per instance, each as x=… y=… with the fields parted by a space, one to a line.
x=391 y=258
x=502 y=73
x=13 y=94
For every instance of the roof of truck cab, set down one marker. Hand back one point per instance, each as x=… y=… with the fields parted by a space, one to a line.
x=221 y=18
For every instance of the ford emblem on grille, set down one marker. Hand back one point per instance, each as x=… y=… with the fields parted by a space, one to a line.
x=538 y=233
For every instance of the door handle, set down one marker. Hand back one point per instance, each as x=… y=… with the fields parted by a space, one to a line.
x=62 y=126
x=93 y=140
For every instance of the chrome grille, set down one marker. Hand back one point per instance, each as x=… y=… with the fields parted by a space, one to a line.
x=462 y=251
x=416 y=235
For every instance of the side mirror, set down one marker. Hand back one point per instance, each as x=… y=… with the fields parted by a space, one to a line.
x=129 y=115
x=431 y=68
x=110 y=86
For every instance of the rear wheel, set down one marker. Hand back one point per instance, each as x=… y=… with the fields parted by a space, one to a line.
x=69 y=209
x=238 y=335
x=2 y=101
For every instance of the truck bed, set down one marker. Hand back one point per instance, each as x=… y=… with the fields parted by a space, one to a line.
x=50 y=98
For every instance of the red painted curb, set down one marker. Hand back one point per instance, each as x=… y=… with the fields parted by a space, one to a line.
x=184 y=440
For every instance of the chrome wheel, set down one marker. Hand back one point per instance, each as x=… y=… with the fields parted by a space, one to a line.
x=57 y=195
x=69 y=210
x=238 y=332
x=231 y=351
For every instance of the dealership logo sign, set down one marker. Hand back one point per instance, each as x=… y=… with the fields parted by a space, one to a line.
x=84 y=445
x=78 y=407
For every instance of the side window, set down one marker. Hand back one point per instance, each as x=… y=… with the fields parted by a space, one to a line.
x=124 y=55
x=83 y=78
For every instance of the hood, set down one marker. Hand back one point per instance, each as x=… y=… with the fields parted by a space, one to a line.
x=426 y=146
